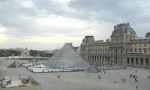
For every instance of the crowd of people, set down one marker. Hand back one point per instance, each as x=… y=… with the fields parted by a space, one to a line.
x=132 y=76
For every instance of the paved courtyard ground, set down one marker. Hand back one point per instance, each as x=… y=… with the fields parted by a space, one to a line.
x=111 y=80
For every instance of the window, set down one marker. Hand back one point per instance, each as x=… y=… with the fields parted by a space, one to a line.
x=132 y=60
x=128 y=61
x=144 y=50
x=140 y=50
x=137 y=61
x=135 y=50
x=147 y=61
x=141 y=61
x=131 y=50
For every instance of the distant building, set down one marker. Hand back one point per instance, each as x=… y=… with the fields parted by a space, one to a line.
x=124 y=48
x=25 y=52
x=25 y=55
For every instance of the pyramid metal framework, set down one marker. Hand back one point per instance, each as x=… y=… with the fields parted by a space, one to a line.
x=66 y=57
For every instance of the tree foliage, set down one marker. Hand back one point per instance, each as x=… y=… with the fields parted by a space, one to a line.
x=8 y=52
x=40 y=53
x=11 y=52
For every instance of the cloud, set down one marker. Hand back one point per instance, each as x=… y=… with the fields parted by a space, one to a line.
x=55 y=21
x=115 y=10
x=51 y=23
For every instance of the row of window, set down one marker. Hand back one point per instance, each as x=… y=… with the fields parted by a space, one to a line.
x=138 y=61
x=141 y=45
x=102 y=60
x=98 y=58
x=145 y=50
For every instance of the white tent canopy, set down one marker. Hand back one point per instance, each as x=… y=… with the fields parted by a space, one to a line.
x=66 y=57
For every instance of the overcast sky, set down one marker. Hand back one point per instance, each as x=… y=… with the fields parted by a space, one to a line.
x=48 y=24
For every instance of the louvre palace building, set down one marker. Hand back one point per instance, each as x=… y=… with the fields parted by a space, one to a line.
x=124 y=48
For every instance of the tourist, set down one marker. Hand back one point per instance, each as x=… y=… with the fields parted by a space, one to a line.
x=137 y=87
x=58 y=76
x=99 y=76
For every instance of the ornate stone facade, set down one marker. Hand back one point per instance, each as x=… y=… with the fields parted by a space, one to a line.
x=124 y=48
